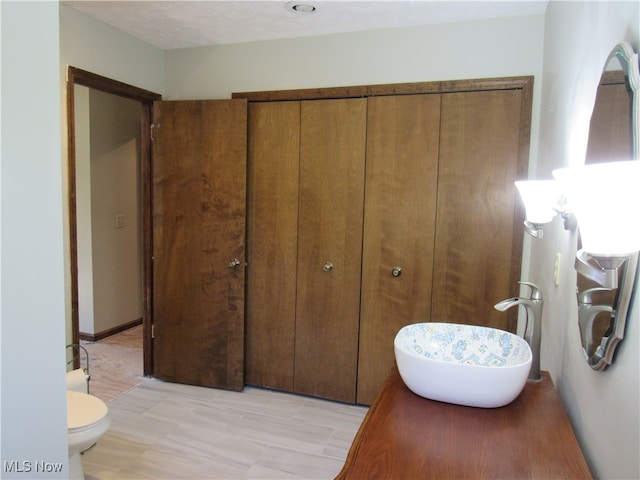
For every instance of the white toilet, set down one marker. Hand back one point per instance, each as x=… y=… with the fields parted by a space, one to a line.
x=87 y=421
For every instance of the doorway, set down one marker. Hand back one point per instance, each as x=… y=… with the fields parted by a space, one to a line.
x=140 y=102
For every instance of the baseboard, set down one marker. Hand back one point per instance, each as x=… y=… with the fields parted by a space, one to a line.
x=94 y=337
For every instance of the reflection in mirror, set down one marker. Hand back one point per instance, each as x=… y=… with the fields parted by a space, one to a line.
x=613 y=136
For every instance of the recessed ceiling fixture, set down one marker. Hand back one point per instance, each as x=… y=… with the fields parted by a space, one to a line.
x=297 y=7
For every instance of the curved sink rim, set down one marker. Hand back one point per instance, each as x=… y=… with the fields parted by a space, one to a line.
x=521 y=341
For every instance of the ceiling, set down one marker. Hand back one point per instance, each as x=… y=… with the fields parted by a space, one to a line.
x=185 y=24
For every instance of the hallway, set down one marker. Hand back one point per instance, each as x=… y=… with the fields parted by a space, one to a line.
x=115 y=363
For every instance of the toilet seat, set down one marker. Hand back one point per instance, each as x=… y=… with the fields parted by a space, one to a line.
x=84 y=411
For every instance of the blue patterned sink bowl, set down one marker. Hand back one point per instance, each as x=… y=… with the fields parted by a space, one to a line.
x=462 y=364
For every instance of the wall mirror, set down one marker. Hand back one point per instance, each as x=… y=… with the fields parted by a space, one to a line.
x=613 y=136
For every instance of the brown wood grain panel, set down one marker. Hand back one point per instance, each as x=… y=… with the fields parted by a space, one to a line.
x=407 y=436
x=78 y=76
x=474 y=250
x=272 y=233
x=146 y=169
x=413 y=88
x=199 y=195
x=399 y=228
x=332 y=153
x=322 y=177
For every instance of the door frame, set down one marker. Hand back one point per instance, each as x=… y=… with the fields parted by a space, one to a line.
x=76 y=76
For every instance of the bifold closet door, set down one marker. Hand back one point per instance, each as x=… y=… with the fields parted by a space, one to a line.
x=272 y=242
x=399 y=227
x=332 y=167
x=199 y=204
x=478 y=232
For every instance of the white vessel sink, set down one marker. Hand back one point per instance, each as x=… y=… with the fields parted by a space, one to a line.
x=462 y=364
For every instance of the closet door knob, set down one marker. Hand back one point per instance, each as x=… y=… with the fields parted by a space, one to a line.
x=396 y=271
x=327 y=267
x=235 y=263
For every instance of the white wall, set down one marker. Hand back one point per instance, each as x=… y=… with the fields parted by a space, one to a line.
x=83 y=209
x=492 y=48
x=33 y=409
x=115 y=190
x=107 y=184
x=603 y=406
x=98 y=48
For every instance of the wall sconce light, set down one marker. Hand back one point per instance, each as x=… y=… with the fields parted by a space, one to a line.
x=604 y=198
x=541 y=200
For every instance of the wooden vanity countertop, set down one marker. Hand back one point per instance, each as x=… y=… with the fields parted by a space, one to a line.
x=404 y=436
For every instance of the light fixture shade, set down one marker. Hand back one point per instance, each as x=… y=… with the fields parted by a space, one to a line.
x=605 y=198
x=540 y=198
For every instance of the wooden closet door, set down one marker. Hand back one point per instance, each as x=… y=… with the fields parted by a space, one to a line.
x=332 y=152
x=478 y=234
x=272 y=242
x=199 y=200
x=399 y=227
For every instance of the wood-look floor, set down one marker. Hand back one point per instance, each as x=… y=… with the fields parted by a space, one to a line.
x=163 y=430
x=115 y=363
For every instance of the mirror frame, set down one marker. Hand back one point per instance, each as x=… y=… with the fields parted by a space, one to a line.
x=603 y=354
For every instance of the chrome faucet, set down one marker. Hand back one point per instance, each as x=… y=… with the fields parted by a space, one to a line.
x=533 y=327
